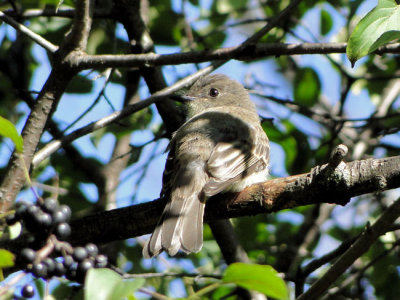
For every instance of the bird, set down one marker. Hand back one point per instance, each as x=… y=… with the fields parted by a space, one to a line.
x=221 y=147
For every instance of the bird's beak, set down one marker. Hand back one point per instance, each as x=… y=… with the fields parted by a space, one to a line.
x=182 y=98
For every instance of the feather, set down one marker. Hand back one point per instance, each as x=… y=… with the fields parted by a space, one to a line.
x=181 y=224
x=236 y=161
x=220 y=147
x=192 y=227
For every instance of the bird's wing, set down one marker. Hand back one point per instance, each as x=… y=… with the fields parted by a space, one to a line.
x=233 y=161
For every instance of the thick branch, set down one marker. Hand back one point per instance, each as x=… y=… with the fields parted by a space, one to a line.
x=45 y=105
x=248 y=53
x=78 y=37
x=134 y=17
x=348 y=180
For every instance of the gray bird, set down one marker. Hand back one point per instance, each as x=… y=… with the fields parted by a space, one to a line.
x=221 y=147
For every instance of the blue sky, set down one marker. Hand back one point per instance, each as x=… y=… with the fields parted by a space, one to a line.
x=72 y=105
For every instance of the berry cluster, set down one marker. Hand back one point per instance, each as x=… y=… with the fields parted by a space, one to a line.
x=42 y=219
x=48 y=253
x=71 y=263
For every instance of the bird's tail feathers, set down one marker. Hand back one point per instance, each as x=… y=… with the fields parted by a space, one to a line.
x=191 y=236
x=181 y=224
x=180 y=227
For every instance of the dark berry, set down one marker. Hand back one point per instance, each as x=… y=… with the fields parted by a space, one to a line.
x=71 y=273
x=80 y=254
x=22 y=209
x=28 y=291
x=60 y=269
x=101 y=261
x=63 y=230
x=39 y=270
x=50 y=205
x=85 y=265
x=50 y=265
x=30 y=239
x=92 y=249
x=30 y=218
x=66 y=211
x=23 y=203
x=12 y=219
x=28 y=255
x=44 y=219
x=68 y=261
x=33 y=210
x=59 y=216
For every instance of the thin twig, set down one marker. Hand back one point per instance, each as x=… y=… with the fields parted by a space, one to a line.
x=350 y=279
x=171 y=274
x=153 y=294
x=29 y=33
x=362 y=244
x=95 y=102
x=53 y=146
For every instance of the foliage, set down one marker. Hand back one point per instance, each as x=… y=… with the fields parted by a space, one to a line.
x=377 y=28
x=105 y=284
x=7 y=129
x=315 y=102
x=260 y=278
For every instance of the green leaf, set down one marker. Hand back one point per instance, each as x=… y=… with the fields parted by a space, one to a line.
x=63 y=290
x=385 y=38
x=285 y=138
x=7 y=129
x=230 y=6
x=136 y=151
x=307 y=87
x=99 y=283
x=326 y=22
x=162 y=28
x=6 y=259
x=40 y=287
x=80 y=85
x=259 y=278
x=105 y=284
x=224 y=292
x=380 y=26
x=391 y=122
x=127 y=287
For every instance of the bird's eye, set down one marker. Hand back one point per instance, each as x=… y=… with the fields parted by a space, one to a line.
x=213 y=92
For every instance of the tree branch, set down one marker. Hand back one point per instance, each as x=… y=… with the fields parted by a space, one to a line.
x=367 y=238
x=348 y=180
x=134 y=17
x=60 y=12
x=29 y=33
x=246 y=53
x=116 y=116
x=44 y=107
x=78 y=36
